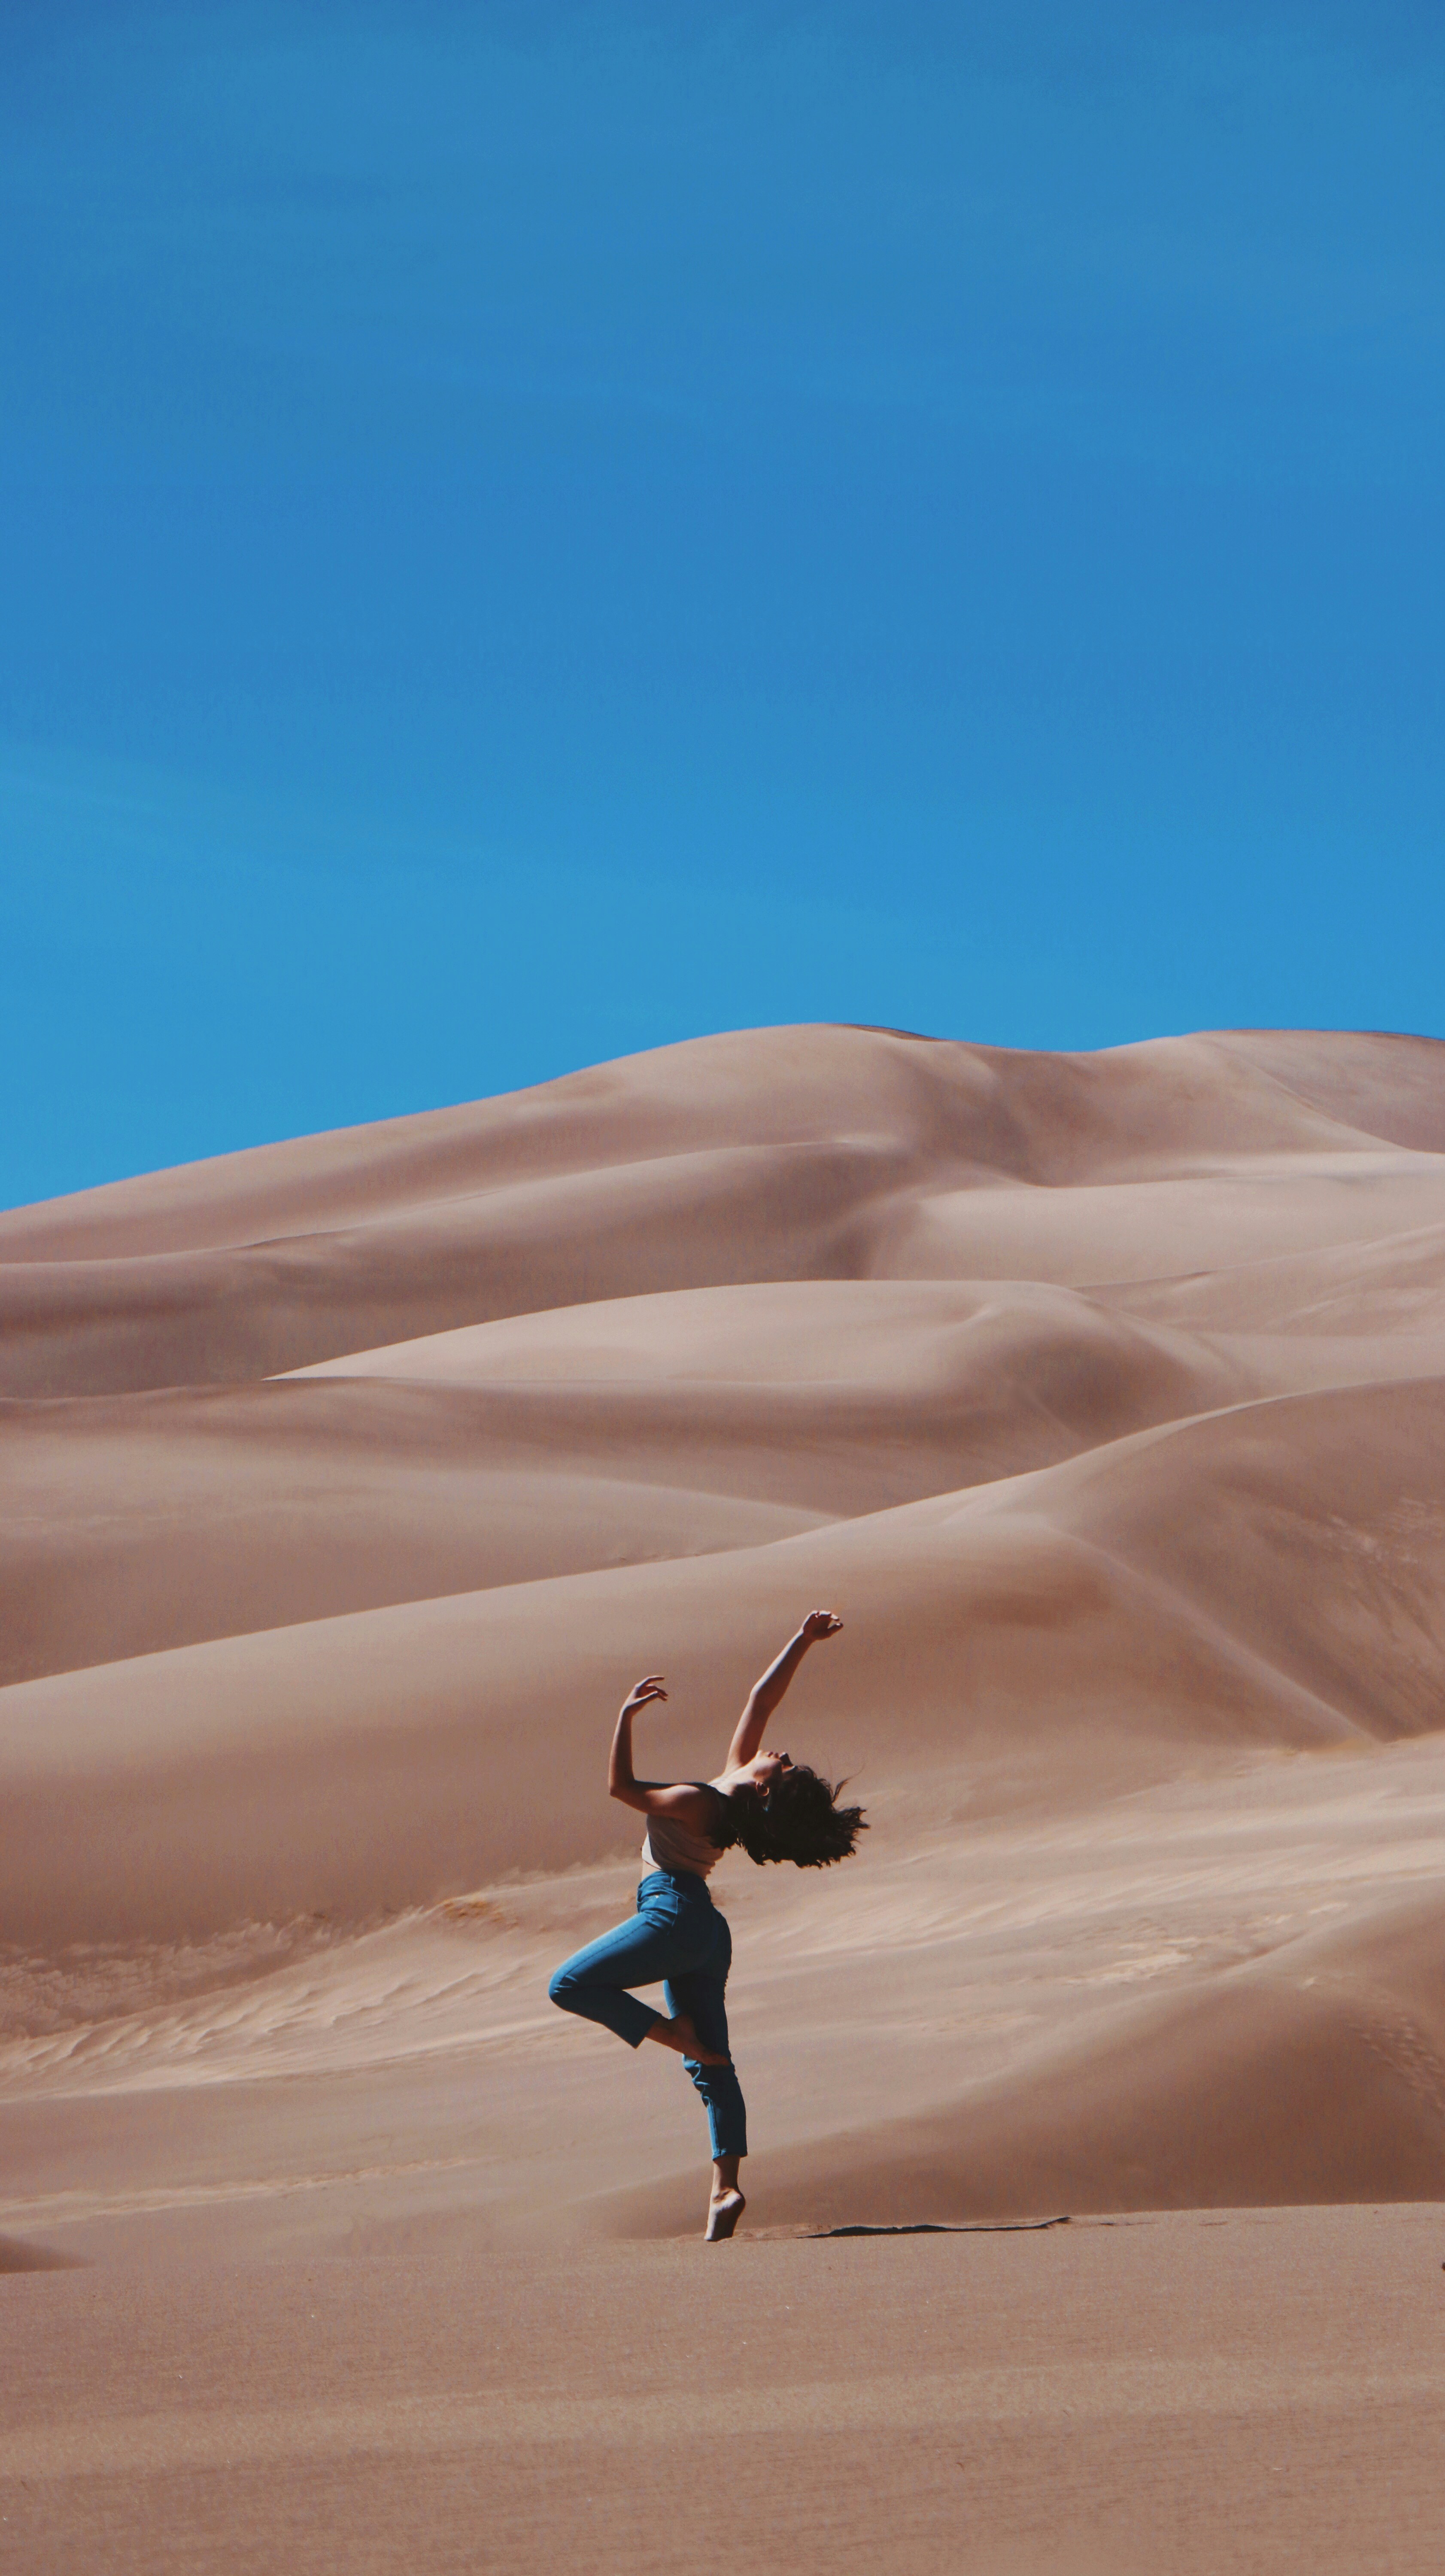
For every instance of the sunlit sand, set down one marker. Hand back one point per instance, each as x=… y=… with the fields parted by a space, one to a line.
x=347 y=1485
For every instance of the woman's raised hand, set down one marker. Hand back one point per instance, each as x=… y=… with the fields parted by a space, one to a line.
x=650 y=1687
x=820 y=1623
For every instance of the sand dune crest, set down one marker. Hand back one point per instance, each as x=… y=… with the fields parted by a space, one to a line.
x=349 y=1481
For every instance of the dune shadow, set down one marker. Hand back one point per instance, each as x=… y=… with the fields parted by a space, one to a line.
x=16 y=2256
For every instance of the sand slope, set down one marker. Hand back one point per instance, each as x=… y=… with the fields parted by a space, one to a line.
x=347 y=1483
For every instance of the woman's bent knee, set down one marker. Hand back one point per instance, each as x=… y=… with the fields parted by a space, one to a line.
x=563 y=1990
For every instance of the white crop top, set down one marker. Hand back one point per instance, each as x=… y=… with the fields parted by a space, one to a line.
x=671 y=1845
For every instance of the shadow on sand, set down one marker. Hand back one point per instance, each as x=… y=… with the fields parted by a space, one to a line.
x=940 y=2227
x=18 y=2257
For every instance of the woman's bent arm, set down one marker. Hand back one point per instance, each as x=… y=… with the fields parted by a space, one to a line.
x=652 y=1797
x=621 y=1781
x=765 y=1694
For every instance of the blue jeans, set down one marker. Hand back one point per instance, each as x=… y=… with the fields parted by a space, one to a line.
x=677 y=1934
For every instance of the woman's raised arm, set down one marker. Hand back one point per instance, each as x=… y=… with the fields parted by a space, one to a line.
x=765 y=1694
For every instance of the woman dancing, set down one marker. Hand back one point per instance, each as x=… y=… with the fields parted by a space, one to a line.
x=776 y=1809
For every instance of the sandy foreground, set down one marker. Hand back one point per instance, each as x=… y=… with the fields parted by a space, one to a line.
x=344 y=1488
x=1244 y=2390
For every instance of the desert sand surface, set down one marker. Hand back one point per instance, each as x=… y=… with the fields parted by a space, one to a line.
x=347 y=1485
x=1247 y=2390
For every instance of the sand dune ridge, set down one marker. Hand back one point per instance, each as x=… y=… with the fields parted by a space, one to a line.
x=347 y=1482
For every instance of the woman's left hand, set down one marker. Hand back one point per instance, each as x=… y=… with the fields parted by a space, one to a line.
x=820 y=1623
x=649 y=1688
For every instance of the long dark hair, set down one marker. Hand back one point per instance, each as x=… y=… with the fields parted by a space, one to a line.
x=797 y=1819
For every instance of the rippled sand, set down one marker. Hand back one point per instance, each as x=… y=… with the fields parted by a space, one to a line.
x=346 y=1486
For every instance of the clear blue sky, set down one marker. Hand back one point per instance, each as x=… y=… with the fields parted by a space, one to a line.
x=534 y=530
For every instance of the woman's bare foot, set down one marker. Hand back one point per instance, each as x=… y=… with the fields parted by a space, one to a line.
x=680 y=2035
x=723 y=2212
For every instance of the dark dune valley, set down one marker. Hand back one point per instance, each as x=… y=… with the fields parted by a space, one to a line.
x=347 y=1485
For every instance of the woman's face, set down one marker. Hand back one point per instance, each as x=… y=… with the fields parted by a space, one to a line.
x=767 y=1767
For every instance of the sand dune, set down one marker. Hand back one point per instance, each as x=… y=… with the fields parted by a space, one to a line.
x=1315 y=2073
x=1046 y=1119
x=1053 y=1624
x=1368 y=1292
x=348 y=1482
x=506 y=1452
x=582 y=1437
x=783 y=1154
x=135 y=1523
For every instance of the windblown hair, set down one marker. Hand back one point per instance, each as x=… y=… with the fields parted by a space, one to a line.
x=798 y=1819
